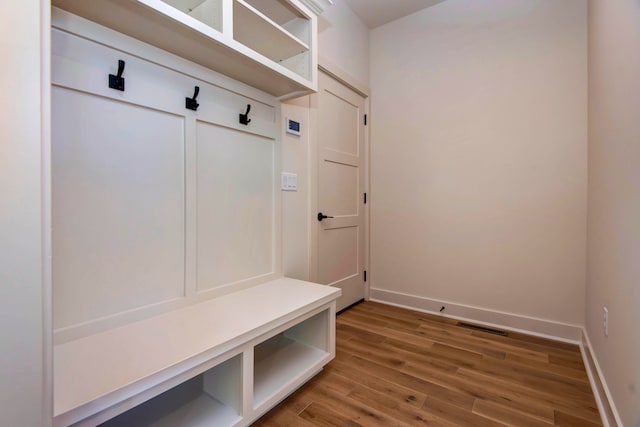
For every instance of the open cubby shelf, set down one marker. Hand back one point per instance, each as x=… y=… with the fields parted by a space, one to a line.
x=190 y=404
x=250 y=27
x=288 y=356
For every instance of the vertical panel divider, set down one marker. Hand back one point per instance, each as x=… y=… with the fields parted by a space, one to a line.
x=227 y=18
x=277 y=194
x=191 y=219
x=331 y=331
x=247 y=381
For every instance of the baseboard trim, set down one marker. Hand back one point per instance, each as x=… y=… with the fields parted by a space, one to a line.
x=606 y=406
x=350 y=306
x=529 y=325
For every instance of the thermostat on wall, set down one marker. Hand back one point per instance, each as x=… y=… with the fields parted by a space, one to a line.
x=293 y=126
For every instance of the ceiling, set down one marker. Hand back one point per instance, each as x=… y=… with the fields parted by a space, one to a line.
x=378 y=12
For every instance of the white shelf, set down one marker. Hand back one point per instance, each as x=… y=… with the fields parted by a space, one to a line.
x=278 y=361
x=279 y=11
x=286 y=16
x=257 y=31
x=206 y=11
x=166 y=27
x=204 y=411
x=185 y=406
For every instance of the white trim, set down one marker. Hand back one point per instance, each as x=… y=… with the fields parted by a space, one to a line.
x=513 y=322
x=313 y=185
x=367 y=190
x=335 y=71
x=317 y=6
x=604 y=400
x=45 y=179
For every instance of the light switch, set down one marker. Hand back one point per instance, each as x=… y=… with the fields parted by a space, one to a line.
x=289 y=181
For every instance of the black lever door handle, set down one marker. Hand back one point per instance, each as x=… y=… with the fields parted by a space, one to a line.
x=322 y=216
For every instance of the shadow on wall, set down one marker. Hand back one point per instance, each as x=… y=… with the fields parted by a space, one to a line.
x=324 y=24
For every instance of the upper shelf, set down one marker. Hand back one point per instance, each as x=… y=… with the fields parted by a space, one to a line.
x=252 y=46
x=257 y=31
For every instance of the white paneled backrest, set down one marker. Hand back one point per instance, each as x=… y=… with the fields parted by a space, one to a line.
x=118 y=206
x=154 y=206
x=235 y=209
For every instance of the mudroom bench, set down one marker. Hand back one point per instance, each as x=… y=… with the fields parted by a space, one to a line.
x=221 y=362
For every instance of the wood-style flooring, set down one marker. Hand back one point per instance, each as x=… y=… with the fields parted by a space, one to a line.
x=397 y=367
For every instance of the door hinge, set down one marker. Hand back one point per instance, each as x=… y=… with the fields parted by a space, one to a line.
x=365 y=275
x=365 y=198
x=365 y=119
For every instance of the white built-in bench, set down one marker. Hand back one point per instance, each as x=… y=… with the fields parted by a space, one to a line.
x=222 y=362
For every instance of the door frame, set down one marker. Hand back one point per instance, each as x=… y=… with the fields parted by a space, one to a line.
x=335 y=72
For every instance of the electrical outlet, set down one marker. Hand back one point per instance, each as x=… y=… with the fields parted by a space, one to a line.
x=605 y=321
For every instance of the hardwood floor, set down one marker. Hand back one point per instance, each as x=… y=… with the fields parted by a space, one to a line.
x=396 y=367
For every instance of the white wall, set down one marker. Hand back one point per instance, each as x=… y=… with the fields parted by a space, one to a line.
x=295 y=204
x=343 y=41
x=479 y=156
x=22 y=358
x=613 y=275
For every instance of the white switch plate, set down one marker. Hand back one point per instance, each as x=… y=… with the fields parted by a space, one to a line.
x=289 y=181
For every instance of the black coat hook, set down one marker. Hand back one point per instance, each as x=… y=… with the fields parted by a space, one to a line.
x=117 y=82
x=190 y=103
x=244 y=118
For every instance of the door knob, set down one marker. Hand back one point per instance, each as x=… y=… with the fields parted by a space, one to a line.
x=322 y=216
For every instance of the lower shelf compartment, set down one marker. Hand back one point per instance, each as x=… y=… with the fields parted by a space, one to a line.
x=203 y=411
x=210 y=399
x=292 y=354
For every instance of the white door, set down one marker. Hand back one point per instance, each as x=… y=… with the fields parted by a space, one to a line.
x=341 y=162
